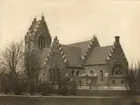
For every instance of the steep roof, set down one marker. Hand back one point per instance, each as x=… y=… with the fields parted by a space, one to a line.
x=83 y=45
x=37 y=25
x=73 y=54
x=98 y=55
x=34 y=26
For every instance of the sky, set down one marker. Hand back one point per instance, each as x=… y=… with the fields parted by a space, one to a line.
x=75 y=20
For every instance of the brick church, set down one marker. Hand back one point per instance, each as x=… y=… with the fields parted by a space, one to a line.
x=86 y=61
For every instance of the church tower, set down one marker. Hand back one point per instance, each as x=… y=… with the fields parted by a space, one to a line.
x=38 y=36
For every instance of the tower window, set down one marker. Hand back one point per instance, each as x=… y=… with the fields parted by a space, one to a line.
x=44 y=44
x=41 y=42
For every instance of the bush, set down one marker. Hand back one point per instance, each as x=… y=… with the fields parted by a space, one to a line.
x=73 y=88
x=64 y=86
x=18 y=87
x=46 y=89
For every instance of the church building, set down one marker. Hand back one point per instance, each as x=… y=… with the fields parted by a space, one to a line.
x=87 y=60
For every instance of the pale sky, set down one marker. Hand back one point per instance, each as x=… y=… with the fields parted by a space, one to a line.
x=75 y=20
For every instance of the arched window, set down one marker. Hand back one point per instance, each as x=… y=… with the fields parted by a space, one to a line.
x=77 y=73
x=53 y=73
x=44 y=44
x=41 y=42
x=117 y=69
x=72 y=73
x=91 y=72
x=113 y=81
x=80 y=82
x=101 y=74
x=122 y=82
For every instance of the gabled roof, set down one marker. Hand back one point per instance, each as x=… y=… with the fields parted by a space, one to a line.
x=83 y=45
x=37 y=24
x=98 y=55
x=73 y=54
x=34 y=26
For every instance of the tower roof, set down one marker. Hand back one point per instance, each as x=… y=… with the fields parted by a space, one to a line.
x=38 y=25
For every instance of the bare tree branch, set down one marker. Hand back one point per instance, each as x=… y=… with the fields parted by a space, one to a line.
x=11 y=56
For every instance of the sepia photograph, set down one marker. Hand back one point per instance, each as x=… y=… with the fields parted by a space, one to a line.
x=69 y=52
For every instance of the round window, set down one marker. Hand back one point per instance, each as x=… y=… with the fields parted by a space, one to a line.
x=117 y=70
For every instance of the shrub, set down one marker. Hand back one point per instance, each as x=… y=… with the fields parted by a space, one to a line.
x=46 y=89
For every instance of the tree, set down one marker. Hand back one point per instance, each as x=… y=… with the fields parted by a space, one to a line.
x=133 y=78
x=32 y=68
x=11 y=62
x=73 y=86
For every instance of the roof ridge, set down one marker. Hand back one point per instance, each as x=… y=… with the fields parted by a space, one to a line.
x=112 y=50
x=71 y=46
x=78 y=42
x=106 y=46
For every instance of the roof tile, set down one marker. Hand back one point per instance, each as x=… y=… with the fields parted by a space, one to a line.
x=98 y=56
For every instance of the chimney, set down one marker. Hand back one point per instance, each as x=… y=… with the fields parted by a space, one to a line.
x=117 y=39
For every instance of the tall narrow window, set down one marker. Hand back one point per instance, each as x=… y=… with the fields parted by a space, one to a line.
x=44 y=44
x=77 y=73
x=113 y=81
x=41 y=42
x=72 y=73
x=50 y=75
x=122 y=82
x=101 y=75
x=91 y=72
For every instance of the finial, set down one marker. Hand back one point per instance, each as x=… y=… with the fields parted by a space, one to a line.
x=117 y=39
x=34 y=19
x=55 y=38
x=42 y=16
x=94 y=35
